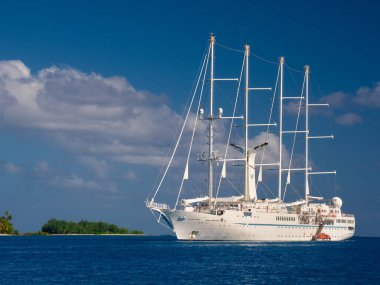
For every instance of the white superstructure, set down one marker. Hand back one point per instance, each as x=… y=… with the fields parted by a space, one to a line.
x=247 y=217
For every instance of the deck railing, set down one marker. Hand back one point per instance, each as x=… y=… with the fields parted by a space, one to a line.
x=162 y=206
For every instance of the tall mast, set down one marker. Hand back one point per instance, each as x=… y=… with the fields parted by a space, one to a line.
x=307 y=193
x=246 y=176
x=282 y=59
x=210 y=126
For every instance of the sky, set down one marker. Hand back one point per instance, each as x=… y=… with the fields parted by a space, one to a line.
x=92 y=93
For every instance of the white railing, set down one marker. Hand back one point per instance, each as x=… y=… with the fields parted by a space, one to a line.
x=162 y=206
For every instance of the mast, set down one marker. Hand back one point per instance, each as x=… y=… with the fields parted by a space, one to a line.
x=307 y=192
x=246 y=176
x=282 y=59
x=210 y=126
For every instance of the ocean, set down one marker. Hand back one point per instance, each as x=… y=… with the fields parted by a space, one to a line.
x=164 y=260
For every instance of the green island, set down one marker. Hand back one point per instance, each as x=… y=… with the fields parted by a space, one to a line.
x=62 y=227
x=54 y=226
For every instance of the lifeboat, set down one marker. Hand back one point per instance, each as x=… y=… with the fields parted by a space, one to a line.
x=322 y=237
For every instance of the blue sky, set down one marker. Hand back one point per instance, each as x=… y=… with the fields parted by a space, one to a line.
x=81 y=85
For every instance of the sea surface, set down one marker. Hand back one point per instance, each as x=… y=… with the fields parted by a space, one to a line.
x=164 y=260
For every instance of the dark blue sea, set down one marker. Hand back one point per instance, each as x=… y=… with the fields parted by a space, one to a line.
x=164 y=260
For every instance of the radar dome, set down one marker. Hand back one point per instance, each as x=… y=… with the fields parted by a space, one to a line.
x=337 y=202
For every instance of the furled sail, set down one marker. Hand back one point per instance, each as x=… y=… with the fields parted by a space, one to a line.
x=186 y=174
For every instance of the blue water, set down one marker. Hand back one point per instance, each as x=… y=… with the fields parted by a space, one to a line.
x=163 y=260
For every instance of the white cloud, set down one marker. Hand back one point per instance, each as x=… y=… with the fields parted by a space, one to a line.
x=14 y=69
x=10 y=167
x=369 y=97
x=341 y=103
x=348 y=119
x=87 y=114
x=365 y=96
x=98 y=166
x=271 y=150
x=74 y=182
x=49 y=177
x=336 y=100
x=131 y=175
x=41 y=167
x=292 y=107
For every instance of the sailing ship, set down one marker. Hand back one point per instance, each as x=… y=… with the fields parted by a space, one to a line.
x=247 y=217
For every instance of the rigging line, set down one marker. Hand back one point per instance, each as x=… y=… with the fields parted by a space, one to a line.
x=293 y=69
x=316 y=83
x=276 y=62
x=292 y=76
x=271 y=109
x=268 y=188
x=197 y=187
x=233 y=186
x=231 y=125
x=270 y=116
x=295 y=191
x=223 y=93
x=231 y=49
x=183 y=127
x=194 y=128
x=265 y=60
x=169 y=150
x=166 y=159
x=295 y=134
x=317 y=189
x=178 y=127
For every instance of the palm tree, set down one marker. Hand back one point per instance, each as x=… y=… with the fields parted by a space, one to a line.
x=7 y=216
x=5 y=225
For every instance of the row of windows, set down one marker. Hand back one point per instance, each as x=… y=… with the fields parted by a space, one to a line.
x=309 y=228
x=288 y=219
x=345 y=221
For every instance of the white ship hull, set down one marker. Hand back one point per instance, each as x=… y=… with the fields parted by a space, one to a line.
x=235 y=226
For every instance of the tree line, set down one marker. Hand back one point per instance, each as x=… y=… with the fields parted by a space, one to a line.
x=54 y=226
